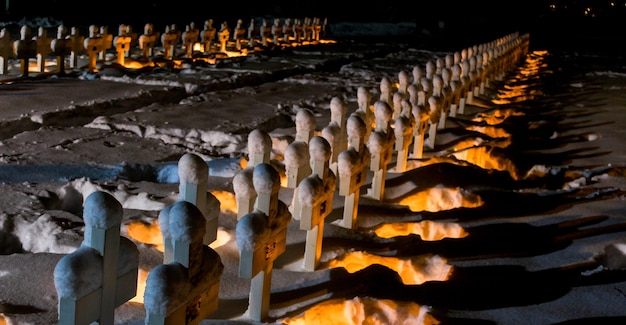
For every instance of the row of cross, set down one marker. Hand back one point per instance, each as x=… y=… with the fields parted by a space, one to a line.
x=317 y=165
x=173 y=42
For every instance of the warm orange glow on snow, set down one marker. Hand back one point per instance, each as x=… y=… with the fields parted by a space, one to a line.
x=485 y=158
x=440 y=198
x=364 y=310
x=141 y=286
x=427 y=230
x=147 y=233
x=413 y=270
x=228 y=203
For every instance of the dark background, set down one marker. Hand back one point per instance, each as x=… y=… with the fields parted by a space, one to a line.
x=566 y=25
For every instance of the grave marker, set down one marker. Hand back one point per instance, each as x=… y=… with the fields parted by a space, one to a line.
x=147 y=41
x=169 y=40
x=190 y=37
x=208 y=36
x=297 y=167
x=277 y=31
x=316 y=193
x=94 y=45
x=252 y=31
x=122 y=44
x=265 y=32
x=380 y=145
x=287 y=30
x=77 y=46
x=193 y=173
x=224 y=35
x=184 y=291
x=24 y=49
x=305 y=125
x=259 y=152
x=261 y=238
x=107 y=42
x=102 y=273
x=353 y=165
x=238 y=34
x=43 y=48
x=6 y=50
x=403 y=131
x=61 y=48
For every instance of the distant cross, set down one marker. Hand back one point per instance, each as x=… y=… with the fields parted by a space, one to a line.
x=61 y=47
x=24 y=49
x=93 y=46
x=6 y=51
x=43 y=48
x=122 y=44
x=147 y=41
x=77 y=46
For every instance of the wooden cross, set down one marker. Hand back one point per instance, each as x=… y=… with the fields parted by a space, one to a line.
x=61 y=47
x=24 y=49
x=277 y=31
x=338 y=112
x=297 y=167
x=194 y=272
x=147 y=41
x=403 y=130
x=6 y=50
x=77 y=46
x=169 y=40
x=305 y=125
x=434 y=104
x=107 y=42
x=193 y=173
x=386 y=91
x=259 y=152
x=297 y=31
x=353 y=166
x=122 y=44
x=380 y=144
x=43 y=48
x=287 y=30
x=261 y=238
x=114 y=258
x=239 y=34
x=245 y=195
x=94 y=45
x=252 y=30
x=190 y=37
x=224 y=35
x=316 y=194
x=208 y=35
x=265 y=32
x=420 y=115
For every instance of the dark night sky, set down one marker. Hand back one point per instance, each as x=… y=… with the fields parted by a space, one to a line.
x=464 y=19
